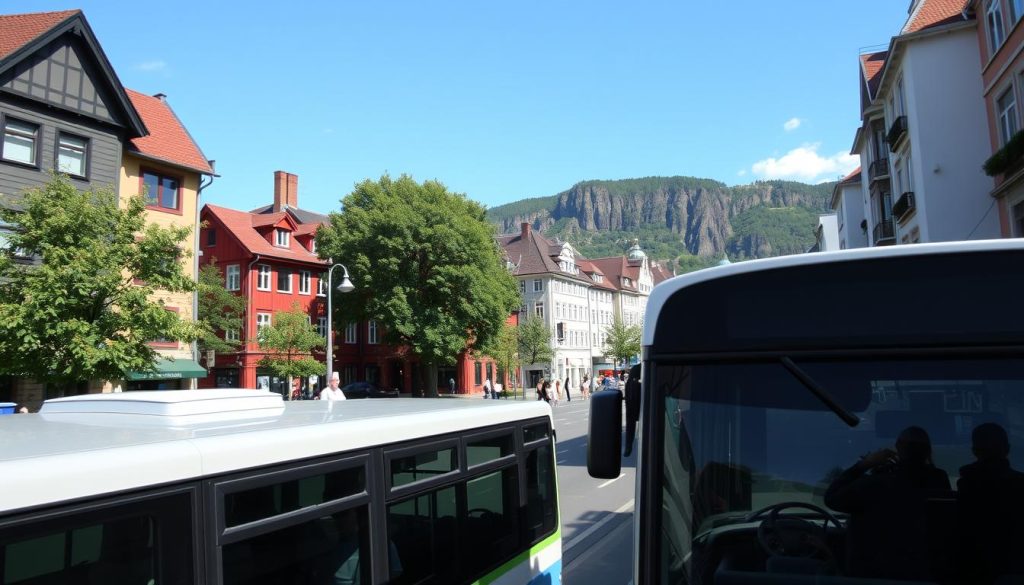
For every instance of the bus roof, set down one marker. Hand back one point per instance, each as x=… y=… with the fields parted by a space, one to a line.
x=71 y=452
x=665 y=290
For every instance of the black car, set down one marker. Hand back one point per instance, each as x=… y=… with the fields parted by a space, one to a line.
x=366 y=390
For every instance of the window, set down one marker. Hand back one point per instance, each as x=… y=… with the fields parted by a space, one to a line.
x=312 y=245
x=350 y=333
x=371 y=332
x=231 y=335
x=282 y=238
x=321 y=286
x=262 y=322
x=538 y=285
x=291 y=495
x=538 y=309
x=321 y=326
x=1006 y=105
x=21 y=141
x=421 y=466
x=263 y=281
x=211 y=237
x=284 y=280
x=161 y=192
x=477 y=374
x=232 y=276
x=423 y=529
x=72 y=155
x=1018 y=220
x=1016 y=10
x=144 y=541
x=304 y=282
x=994 y=24
x=522 y=287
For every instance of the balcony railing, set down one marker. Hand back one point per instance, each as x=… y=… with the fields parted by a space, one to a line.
x=883 y=233
x=903 y=206
x=879 y=170
x=896 y=132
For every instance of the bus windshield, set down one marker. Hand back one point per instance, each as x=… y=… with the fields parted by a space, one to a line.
x=741 y=437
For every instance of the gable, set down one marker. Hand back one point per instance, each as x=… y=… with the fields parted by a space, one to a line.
x=58 y=75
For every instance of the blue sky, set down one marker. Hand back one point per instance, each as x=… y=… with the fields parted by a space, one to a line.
x=498 y=100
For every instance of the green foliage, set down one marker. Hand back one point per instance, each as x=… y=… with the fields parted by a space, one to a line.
x=289 y=342
x=790 y=230
x=76 y=313
x=425 y=265
x=220 y=310
x=521 y=207
x=504 y=348
x=1006 y=157
x=622 y=342
x=645 y=185
x=534 y=341
x=690 y=263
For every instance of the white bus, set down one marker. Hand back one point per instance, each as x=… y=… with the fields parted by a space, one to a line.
x=834 y=418
x=236 y=487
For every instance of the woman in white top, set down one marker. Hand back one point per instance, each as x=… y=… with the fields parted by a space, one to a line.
x=332 y=392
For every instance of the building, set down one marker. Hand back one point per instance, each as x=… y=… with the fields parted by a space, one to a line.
x=268 y=255
x=848 y=205
x=923 y=135
x=999 y=41
x=633 y=281
x=826 y=234
x=63 y=109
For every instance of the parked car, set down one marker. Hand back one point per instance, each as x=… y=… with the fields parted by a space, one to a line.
x=366 y=390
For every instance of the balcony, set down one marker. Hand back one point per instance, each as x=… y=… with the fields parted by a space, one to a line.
x=904 y=206
x=897 y=132
x=884 y=234
x=879 y=170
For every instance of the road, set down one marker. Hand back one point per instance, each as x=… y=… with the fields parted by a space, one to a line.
x=597 y=546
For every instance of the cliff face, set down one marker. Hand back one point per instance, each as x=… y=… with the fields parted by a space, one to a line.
x=700 y=212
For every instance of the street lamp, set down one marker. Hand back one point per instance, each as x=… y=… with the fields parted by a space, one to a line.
x=345 y=286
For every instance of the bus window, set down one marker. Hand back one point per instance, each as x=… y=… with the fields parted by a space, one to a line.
x=481 y=451
x=421 y=466
x=136 y=544
x=541 y=514
x=271 y=500
x=535 y=432
x=329 y=549
x=423 y=532
x=491 y=534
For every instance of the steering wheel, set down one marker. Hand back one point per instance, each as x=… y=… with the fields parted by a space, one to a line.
x=791 y=536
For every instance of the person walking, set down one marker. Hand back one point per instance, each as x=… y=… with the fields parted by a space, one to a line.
x=332 y=392
x=540 y=388
x=487 y=387
x=558 y=391
x=543 y=392
x=585 y=387
x=568 y=394
x=451 y=385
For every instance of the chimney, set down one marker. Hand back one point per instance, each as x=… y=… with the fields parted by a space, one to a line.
x=160 y=96
x=280 y=190
x=293 y=191
x=526 y=230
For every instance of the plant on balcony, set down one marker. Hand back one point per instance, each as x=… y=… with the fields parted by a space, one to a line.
x=1006 y=157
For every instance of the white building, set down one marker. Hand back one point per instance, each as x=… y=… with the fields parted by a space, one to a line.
x=848 y=205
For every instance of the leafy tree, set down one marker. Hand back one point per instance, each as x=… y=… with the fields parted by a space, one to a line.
x=220 y=310
x=425 y=265
x=504 y=348
x=622 y=342
x=289 y=342
x=84 y=307
x=535 y=341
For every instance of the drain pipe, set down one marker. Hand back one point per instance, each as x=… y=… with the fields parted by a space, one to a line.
x=196 y=253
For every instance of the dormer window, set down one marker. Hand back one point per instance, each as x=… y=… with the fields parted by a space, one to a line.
x=312 y=245
x=282 y=238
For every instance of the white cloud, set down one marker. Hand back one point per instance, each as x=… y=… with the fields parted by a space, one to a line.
x=152 y=66
x=792 y=124
x=742 y=173
x=805 y=164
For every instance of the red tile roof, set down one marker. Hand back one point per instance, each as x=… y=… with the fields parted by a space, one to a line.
x=168 y=139
x=933 y=13
x=853 y=177
x=240 y=224
x=590 y=268
x=659 y=273
x=871 y=68
x=615 y=267
x=17 y=30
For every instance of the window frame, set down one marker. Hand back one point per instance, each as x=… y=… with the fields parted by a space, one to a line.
x=305 y=282
x=994 y=11
x=235 y=275
x=37 y=142
x=269 y=323
x=260 y=273
x=282 y=235
x=161 y=175
x=353 y=329
x=211 y=237
x=372 y=332
x=1008 y=116
x=538 y=285
x=86 y=154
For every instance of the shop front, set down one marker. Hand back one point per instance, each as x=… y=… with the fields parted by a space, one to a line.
x=170 y=374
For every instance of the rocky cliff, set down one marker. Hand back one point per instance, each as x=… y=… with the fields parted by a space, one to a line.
x=700 y=214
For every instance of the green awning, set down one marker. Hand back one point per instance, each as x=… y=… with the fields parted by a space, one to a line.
x=173 y=369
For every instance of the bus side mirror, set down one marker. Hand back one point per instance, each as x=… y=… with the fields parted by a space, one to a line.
x=604 y=437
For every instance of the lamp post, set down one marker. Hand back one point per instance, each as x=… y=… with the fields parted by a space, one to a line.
x=345 y=286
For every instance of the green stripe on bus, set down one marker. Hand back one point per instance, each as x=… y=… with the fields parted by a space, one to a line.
x=521 y=558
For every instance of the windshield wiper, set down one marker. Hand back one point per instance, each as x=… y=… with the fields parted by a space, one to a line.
x=820 y=393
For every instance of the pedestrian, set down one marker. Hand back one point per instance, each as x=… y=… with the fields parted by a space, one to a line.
x=332 y=392
x=558 y=391
x=21 y=409
x=297 y=389
x=585 y=386
x=568 y=395
x=451 y=385
x=544 y=393
x=487 y=387
x=540 y=387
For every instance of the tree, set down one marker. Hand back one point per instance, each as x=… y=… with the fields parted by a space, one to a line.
x=220 y=311
x=504 y=348
x=534 y=342
x=83 y=308
x=621 y=342
x=426 y=267
x=289 y=342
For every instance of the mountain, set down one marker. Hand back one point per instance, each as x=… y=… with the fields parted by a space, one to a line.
x=686 y=220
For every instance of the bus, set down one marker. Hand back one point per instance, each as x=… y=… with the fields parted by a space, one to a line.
x=237 y=487
x=832 y=418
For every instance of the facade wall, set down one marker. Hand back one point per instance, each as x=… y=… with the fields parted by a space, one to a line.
x=849 y=215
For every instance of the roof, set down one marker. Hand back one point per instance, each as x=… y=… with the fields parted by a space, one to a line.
x=590 y=268
x=51 y=457
x=933 y=13
x=18 y=30
x=853 y=177
x=661 y=293
x=301 y=215
x=168 y=140
x=533 y=256
x=240 y=224
x=871 y=69
x=615 y=267
x=659 y=273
